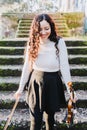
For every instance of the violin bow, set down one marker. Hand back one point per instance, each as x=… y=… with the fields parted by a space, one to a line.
x=11 y=114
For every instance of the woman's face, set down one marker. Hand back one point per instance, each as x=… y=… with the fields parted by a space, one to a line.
x=45 y=30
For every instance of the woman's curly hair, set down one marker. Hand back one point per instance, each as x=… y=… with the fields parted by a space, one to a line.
x=34 y=40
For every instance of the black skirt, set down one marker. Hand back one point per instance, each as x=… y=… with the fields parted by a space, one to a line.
x=45 y=91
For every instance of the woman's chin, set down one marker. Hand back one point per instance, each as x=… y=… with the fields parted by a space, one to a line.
x=44 y=38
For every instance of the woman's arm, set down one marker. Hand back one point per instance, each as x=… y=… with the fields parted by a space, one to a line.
x=64 y=64
x=24 y=75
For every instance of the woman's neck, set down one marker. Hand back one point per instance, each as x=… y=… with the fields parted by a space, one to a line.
x=45 y=41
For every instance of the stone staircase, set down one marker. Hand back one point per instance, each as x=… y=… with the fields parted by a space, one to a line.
x=11 y=63
x=25 y=22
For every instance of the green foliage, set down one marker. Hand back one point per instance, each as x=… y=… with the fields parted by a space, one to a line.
x=79 y=72
x=76 y=43
x=74 y=20
x=80 y=85
x=8 y=87
x=12 y=43
x=11 y=61
x=11 y=51
x=8 y=104
x=81 y=61
x=77 y=51
x=9 y=72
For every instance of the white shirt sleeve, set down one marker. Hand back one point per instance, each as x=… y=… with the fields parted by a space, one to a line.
x=25 y=72
x=64 y=64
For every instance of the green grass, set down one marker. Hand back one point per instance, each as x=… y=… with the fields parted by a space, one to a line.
x=9 y=72
x=11 y=51
x=11 y=61
x=12 y=43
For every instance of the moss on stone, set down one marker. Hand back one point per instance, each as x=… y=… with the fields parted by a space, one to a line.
x=12 y=43
x=8 y=104
x=8 y=87
x=11 y=61
x=9 y=72
x=79 y=72
x=12 y=51
x=76 y=43
x=77 y=51
x=79 y=61
x=80 y=85
x=26 y=126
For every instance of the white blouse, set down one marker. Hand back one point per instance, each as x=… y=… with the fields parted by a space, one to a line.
x=48 y=61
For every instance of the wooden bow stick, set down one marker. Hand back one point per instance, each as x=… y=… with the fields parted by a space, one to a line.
x=11 y=114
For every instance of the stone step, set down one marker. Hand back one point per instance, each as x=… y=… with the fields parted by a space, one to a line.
x=72 y=56
x=7 y=99
x=78 y=60
x=21 y=120
x=19 y=67
x=56 y=20
x=11 y=48
x=79 y=79
x=26 y=26
x=20 y=51
x=11 y=60
x=14 y=86
x=9 y=72
x=8 y=95
x=13 y=51
x=16 y=60
x=22 y=31
x=78 y=66
x=24 y=113
x=22 y=27
x=22 y=35
x=22 y=56
x=22 y=47
x=12 y=67
x=17 y=72
x=11 y=56
x=76 y=47
x=16 y=79
x=13 y=43
x=75 y=42
x=62 y=28
x=77 y=51
x=9 y=79
x=22 y=42
x=79 y=72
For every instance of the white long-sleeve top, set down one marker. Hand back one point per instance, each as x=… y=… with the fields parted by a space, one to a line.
x=48 y=61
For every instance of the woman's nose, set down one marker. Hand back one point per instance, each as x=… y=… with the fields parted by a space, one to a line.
x=43 y=32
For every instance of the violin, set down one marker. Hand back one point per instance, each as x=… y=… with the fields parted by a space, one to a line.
x=70 y=108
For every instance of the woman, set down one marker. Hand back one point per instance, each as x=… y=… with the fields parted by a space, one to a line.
x=46 y=55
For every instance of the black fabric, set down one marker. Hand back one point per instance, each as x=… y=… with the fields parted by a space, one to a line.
x=36 y=120
x=46 y=91
x=27 y=84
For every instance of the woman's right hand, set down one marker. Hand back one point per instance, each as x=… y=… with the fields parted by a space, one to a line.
x=17 y=95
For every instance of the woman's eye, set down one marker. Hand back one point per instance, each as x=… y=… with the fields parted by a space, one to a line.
x=44 y=29
x=47 y=29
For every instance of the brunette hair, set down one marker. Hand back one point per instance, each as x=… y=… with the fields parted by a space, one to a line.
x=35 y=33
